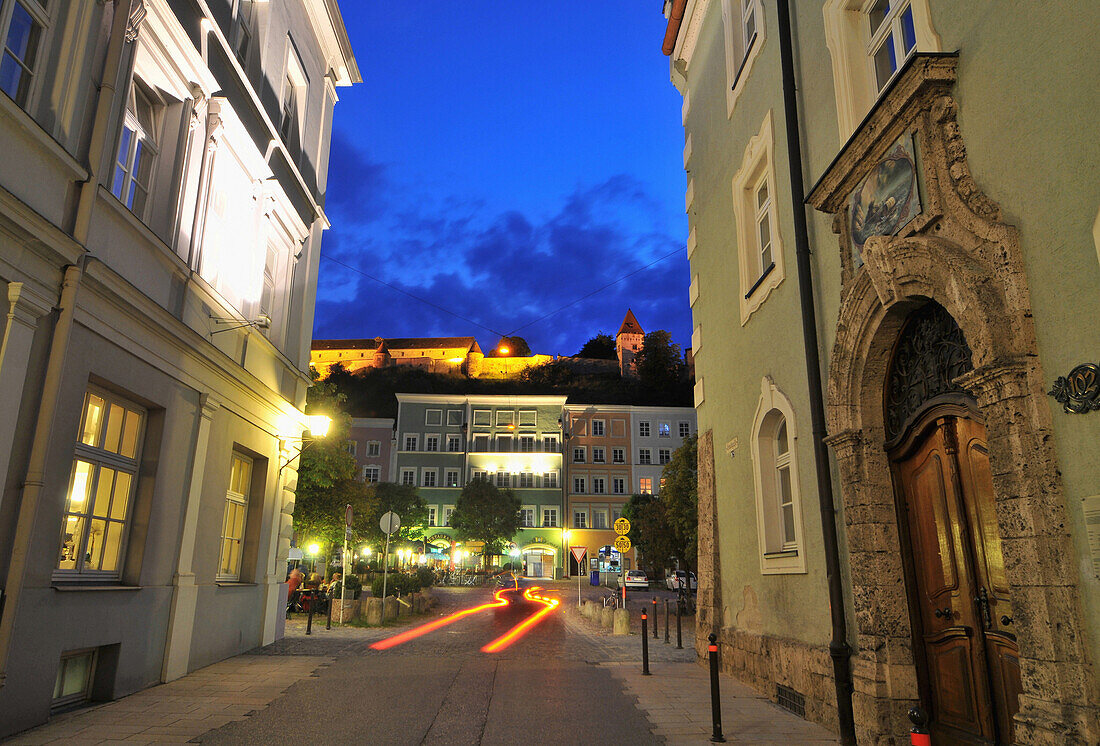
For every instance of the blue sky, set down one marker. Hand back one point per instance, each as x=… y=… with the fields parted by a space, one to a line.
x=503 y=159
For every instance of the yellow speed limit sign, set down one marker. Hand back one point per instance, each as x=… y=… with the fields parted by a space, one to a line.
x=622 y=544
x=622 y=528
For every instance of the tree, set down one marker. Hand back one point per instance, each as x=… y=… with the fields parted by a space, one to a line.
x=483 y=512
x=600 y=347
x=650 y=532
x=659 y=363
x=510 y=347
x=402 y=499
x=680 y=496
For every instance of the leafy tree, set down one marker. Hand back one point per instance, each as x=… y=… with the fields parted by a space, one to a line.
x=516 y=346
x=401 y=499
x=483 y=512
x=600 y=347
x=680 y=496
x=659 y=363
x=650 y=532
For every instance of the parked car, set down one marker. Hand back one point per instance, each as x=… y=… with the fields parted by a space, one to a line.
x=675 y=580
x=634 y=579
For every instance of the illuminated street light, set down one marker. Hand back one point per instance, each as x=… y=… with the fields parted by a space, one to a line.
x=319 y=425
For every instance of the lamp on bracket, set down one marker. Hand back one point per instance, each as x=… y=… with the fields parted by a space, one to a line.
x=262 y=321
x=317 y=425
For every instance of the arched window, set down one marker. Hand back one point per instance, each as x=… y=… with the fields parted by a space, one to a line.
x=775 y=467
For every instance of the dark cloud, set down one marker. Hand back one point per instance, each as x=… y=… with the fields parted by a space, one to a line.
x=357 y=185
x=507 y=270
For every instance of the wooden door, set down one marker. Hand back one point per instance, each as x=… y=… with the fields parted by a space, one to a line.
x=964 y=610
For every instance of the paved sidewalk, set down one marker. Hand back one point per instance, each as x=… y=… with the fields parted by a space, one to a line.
x=676 y=700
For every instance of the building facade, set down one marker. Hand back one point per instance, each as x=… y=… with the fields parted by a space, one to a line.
x=160 y=269
x=445 y=355
x=445 y=441
x=903 y=296
x=372 y=441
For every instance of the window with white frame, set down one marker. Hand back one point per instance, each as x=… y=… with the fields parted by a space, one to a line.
x=269 y=295
x=504 y=443
x=775 y=472
x=616 y=513
x=526 y=479
x=371 y=474
x=481 y=444
x=643 y=429
x=528 y=417
x=241 y=37
x=427 y=477
x=433 y=417
x=644 y=456
x=454 y=443
x=685 y=429
x=408 y=477
x=482 y=418
x=578 y=485
x=374 y=448
x=618 y=455
x=433 y=515
x=137 y=151
x=618 y=485
x=504 y=479
x=599 y=485
x=233 y=518
x=450 y=478
x=579 y=455
x=550 y=443
x=743 y=26
x=75 y=674
x=580 y=517
x=527 y=443
x=352 y=447
x=893 y=37
x=645 y=486
x=597 y=428
x=506 y=417
x=527 y=516
x=479 y=474
x=664 y=430
x=431 y=443
x=550 y=479
x=412 y=442
x=288 y=120
x=597 y=455
x=454 y=417
x=664 y=455
x=447 y=511
x=760 y=256
x=24 y=24
x=599 y=518
x=101 y=487
x=549 y=517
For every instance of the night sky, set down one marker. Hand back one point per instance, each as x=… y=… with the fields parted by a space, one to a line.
x=504 y=159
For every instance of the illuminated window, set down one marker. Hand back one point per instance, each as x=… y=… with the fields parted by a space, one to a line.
x=597 y=455
x=663 y=430
x=451 y=478
x=597 y=427
x=644 y=456
x=549 y=517
x=137 y=152
x=233 y=519
x=645 y=486
x=643 y=429
x=618 y=485
x=371 y=474
x=101 y=487
x=26 y=21
x=427 y=478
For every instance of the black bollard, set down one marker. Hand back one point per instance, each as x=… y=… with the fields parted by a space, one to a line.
x=328 y=621
x=666 y=621
x=645 y=647
x=309 y=617
x=654 y=617
x=715 y=699
x=918 y=734
x=397 y=614
x=679 y=637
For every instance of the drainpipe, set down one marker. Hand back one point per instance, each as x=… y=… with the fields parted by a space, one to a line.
x=839 y=649
x=66 y=310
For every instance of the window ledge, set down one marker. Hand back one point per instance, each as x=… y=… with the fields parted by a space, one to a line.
x=234 y=584
x=67 y=587
x=784 y=553
x=760 y=280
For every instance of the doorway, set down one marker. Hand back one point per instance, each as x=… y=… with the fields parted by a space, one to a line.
x=960 y=602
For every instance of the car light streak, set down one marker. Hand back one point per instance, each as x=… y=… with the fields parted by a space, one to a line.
x=525 y=626
x=424 y=629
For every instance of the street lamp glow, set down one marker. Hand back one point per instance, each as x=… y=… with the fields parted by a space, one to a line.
x=366 y=551
x=318 y=425
x=314 y=549
x=566 y=534
x=504 y=350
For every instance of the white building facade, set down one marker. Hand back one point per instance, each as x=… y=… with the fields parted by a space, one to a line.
x=160 y=268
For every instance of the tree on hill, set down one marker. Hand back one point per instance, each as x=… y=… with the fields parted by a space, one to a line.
x=510 y=347
x=659 y=363
x=600 y=347
x=484 y=512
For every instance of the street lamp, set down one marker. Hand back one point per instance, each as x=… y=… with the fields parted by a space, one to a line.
x=318 y=426
x=313 y=550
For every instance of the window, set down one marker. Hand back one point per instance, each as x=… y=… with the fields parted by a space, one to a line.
x=371 y=474
x=450 y=478
x=432 y=515
x=664 y=455
x=775 y=470
x=743 y=23
x=550 y=479
x=504 y=479
x=760 y=256
x=644 y=456
x=233 y=520
x=526 y=479
x=550 y=443
x=685 y=429
x=504 y=444
x=663 y=430
x=643 y=429
x=268 y=304
x=599 y=485
x=101 y=487
x=288 y=121
x=597 y=455
x=481 y=443
x=549 y=517
x=618 y=456
x=352 y=447
x=242 y=31
x=616 y=514
x=22 y=40
x=506 y=417
x=578 y=485
x=454 y=443
x=527 y=417
x=427 y=478
x=447 y=511
x=454 y=418
x=580 y=518
x=527 y=517
x=597 y=427
x=433 y=417
x=482 y=418
x=374 y=448
x=408 y=477
x=480 y=474
x=431 y=443
x=618 y=485
x=74 y=678
x=412 y=442
x=599 y=518
x=893 y=37
x=645 y=486
x=527 y=443
x=578 y=455
x=137 y=151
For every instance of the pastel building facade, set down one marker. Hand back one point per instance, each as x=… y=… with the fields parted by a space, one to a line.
x=371 y=440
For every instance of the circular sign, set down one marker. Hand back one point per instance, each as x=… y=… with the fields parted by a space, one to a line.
x=622 y=527
x=389 y=523
x=347 y=516
x=622 y=544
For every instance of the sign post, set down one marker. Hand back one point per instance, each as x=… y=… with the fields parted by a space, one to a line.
x=344 y=575
x=578 y=554
x=622 y=546
x=389 y=523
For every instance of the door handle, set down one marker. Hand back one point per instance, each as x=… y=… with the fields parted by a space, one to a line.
x=982 y=599
x=944 y=613
x=1006 y=620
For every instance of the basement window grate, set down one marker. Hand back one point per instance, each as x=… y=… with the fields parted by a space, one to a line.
x=790 y=700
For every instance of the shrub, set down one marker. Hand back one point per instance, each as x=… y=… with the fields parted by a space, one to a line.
x=398 y=582
x=425 y=577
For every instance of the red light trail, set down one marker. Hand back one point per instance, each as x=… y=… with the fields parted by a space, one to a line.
x=525 y=626
x=424 y=629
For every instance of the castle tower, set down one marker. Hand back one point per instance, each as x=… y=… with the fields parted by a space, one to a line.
x=627 y=343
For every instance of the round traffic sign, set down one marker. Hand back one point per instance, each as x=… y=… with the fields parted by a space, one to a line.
x=347 y=516
x=622 y=544
x=389 y=523
x=622 y=527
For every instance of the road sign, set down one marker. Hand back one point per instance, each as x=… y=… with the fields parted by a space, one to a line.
x=622 y=528
x=622 y=544
x=347 y=516
x=578 y=553
x=389 y=523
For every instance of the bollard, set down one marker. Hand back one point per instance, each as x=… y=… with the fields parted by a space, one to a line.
x=918 y=734
x=309 y=617
x=328 y=620
x=645 y=647
x=654 y=617
x=666 y=621
x=715 y=700
x=679 y=637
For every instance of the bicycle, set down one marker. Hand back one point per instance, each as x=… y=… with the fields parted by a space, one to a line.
x=611 y=600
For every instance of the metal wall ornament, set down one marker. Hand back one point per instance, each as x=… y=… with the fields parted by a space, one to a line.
x=1078 y=392
x=930 y=354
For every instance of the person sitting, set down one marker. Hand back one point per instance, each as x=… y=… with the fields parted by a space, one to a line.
x=293 y=596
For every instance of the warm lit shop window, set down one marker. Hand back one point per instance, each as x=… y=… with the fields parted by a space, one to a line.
x=101 y=487
x=233 y=521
